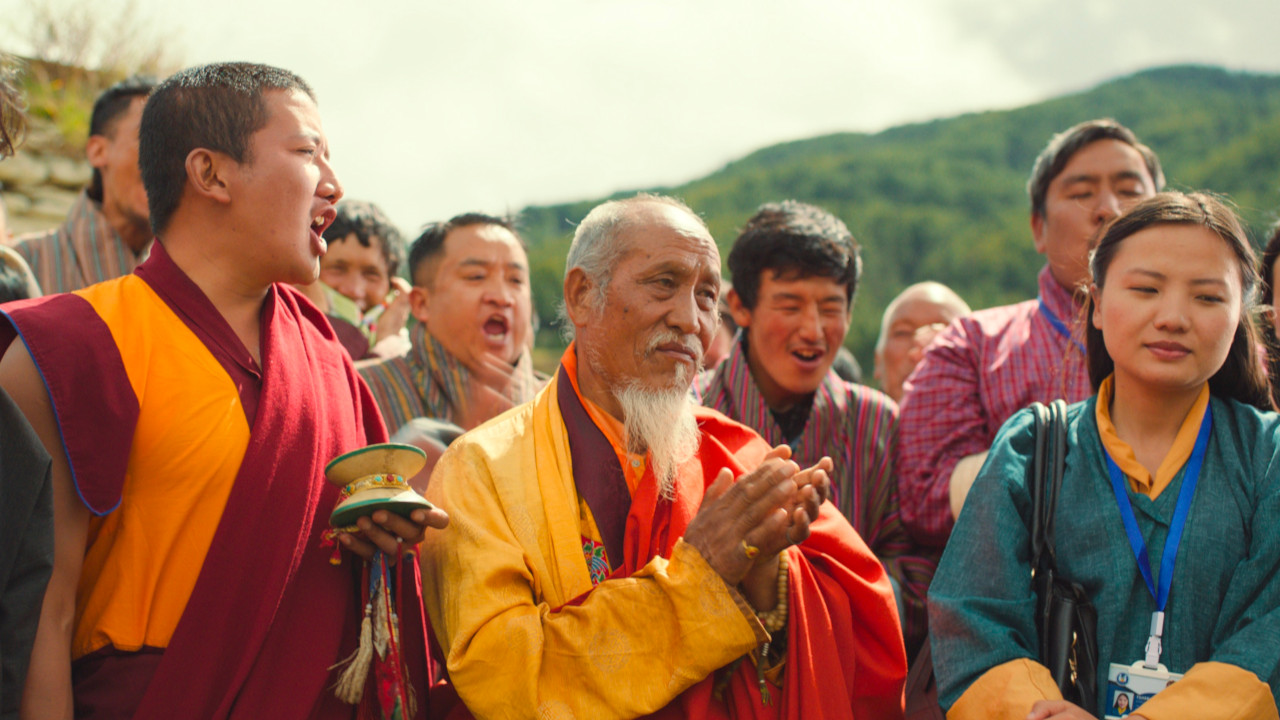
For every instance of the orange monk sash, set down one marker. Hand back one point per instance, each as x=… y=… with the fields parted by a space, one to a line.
x=267 y=614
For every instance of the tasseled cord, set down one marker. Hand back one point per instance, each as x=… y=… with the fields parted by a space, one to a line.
x=351 y=680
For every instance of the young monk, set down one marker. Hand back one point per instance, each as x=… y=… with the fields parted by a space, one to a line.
x=190 y=409
x=1179 y=418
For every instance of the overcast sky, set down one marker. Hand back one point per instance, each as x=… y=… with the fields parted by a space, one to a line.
x=435 y=108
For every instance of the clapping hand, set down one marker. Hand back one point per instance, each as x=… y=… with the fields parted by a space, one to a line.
x=742 y=526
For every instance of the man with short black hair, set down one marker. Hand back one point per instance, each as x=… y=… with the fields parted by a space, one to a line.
x=365 y=251
x=985 y=367
x=192 y=407
x=469 y=358
x=107 y=233
x=795 y=271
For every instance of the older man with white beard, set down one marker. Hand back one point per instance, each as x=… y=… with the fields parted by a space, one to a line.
x=616 y=551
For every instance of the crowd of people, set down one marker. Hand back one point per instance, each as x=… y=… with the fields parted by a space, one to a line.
x=694 y=515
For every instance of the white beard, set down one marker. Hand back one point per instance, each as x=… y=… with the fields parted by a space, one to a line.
x=660 y=421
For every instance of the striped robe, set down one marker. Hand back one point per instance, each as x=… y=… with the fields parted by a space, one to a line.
x=858 y=428
x=430 y=382
x=80 y=252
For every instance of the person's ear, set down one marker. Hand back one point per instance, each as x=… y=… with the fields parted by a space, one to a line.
x=740 y=313
x=580 y=297
x=1038 y=232
x=96 y=150
x=419 y=300
x=211 y=174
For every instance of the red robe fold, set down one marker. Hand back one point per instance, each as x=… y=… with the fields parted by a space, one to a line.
x=269 y=615
x=278 y=614
x=844 y=643
x=845 y=656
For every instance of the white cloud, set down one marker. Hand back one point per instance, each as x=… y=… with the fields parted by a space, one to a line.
x=440 y=107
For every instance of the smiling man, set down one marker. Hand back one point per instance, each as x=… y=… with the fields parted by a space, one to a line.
x=985 y=367
x=367 y=303
x=470 y=355
x=190 y=409
x=608 y=565
x=795 y=271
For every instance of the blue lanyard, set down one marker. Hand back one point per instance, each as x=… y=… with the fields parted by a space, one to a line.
x=1060 y=326
x=1161 y=592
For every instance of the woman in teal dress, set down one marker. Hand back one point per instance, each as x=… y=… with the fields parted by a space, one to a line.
x=1173 y=355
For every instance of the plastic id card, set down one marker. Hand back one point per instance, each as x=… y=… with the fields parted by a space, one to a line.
x=1129 y=686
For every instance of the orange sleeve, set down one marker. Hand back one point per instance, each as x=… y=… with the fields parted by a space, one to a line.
x=1006 y=692
x=1213 y=691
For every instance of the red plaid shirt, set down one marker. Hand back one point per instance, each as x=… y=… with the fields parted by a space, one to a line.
x=974 y=376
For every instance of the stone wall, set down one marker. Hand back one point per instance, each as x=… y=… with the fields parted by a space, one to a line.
x=42 y=180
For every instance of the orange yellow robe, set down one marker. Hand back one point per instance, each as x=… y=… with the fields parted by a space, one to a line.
x=526 y=634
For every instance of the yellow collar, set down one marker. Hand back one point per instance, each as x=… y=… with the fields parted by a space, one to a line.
x=1140 y=478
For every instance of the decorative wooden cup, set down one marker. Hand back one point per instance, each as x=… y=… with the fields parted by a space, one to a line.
x=374 y=478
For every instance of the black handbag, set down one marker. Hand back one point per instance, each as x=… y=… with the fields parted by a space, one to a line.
x=1065 y=617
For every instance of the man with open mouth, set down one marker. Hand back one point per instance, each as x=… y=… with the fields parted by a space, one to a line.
x=469 y=359
x=795 y=269
x=189 y=410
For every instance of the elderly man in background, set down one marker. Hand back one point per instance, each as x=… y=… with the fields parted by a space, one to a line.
x=912 y=319
x=107 y=233
x=618 y=551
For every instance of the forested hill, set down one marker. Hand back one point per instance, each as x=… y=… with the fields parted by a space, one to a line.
x=946 y=200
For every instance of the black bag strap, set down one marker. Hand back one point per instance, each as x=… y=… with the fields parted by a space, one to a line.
x=1046 y=480
x=1035 y=485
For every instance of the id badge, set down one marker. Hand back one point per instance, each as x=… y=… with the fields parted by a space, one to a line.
x=1129 y=686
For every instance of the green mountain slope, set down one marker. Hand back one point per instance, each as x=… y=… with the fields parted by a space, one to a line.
x=945 y=200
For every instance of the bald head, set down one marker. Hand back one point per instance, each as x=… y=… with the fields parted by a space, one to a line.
x=909 y=323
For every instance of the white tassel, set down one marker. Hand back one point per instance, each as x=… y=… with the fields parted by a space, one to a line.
x=380 y=635
x=351 y=680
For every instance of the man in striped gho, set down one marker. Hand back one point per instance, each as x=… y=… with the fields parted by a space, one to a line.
x=107 y=233
x=795 y=269
x=469 y=359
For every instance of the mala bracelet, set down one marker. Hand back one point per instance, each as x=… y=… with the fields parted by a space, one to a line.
x=776 y=619
x=773 y=622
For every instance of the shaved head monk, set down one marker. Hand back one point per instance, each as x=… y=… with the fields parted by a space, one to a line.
x=190 y=409
x=616 y=551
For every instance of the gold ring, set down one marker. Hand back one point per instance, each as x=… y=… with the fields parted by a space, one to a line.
x=751 y=550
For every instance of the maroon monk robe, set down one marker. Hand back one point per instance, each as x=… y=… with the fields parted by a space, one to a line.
x=277 y=612
x=269 y=614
